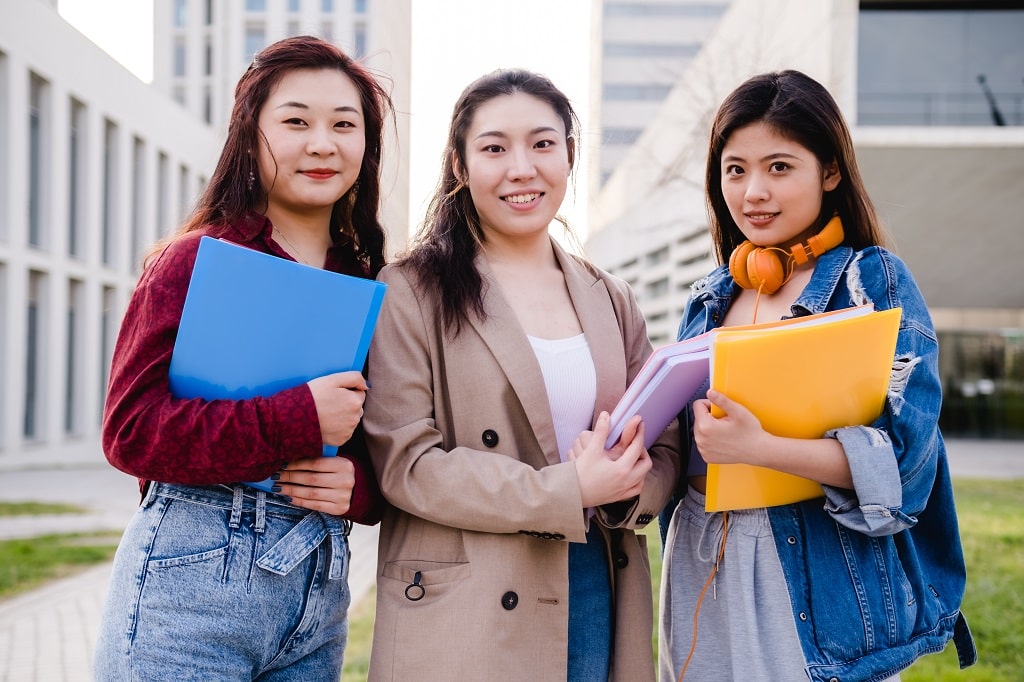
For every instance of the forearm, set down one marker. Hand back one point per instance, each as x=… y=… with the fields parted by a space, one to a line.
x=819 y=459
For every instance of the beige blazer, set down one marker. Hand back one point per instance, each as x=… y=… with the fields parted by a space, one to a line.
x=472 y=576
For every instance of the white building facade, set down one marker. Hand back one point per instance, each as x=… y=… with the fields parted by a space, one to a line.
x=935 y=100
x=95 y=166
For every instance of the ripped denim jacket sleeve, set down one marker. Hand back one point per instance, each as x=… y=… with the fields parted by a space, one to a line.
x=893 y=460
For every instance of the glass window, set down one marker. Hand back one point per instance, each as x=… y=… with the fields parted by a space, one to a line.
x=37 y=166
x=180 y=12
x=708 y=9
x=140 y=235
x=360 y=39
x=620 y=135
x=209 y=12
x=959 y=67
x=256 y=5
x=34 y=339
x=294 y=5
x=76 y=173
x=73 y=368
x=654 y=93
x=163 y=222
x=651 y=50
x=656 y=289
x=983 y=383
x=326 y=6
x=208 y=58
x=360 y=6
x=254 y=40
x=179 y=56
x=109 y=198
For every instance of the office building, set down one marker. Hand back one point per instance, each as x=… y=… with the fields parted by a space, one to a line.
x=95 y=166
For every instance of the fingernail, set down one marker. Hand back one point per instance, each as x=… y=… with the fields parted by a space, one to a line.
x=275 y=477
x=275 y=488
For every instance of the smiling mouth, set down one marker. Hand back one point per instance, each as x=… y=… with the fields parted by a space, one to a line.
x=521 y=198
x=319 y=173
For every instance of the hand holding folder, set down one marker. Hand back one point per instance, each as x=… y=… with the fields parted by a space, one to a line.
x=800 y=377
x=255 y=324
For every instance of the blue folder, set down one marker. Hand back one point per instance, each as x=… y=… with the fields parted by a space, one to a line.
x=255 y=324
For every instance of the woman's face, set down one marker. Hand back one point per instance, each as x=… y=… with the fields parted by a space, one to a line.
x=517 y=166
x=315 y=137
x=773 y=186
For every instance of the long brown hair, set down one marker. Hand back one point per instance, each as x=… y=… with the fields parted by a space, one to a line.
x=448 y=242
x=230 y=196
x=800 y=109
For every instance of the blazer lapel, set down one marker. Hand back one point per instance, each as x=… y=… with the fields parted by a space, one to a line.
x=596 y=314
x=507 y=342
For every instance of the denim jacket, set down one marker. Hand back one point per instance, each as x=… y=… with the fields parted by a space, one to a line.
x=875 y=574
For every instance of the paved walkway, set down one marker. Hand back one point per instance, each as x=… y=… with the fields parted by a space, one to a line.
x=48 y=635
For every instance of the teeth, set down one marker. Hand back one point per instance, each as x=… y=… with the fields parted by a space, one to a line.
x=521 y=198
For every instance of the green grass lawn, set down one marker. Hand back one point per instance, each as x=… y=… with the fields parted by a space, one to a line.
x=992 y=530
x=28 y=563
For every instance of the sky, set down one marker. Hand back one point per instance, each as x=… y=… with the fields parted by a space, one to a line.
x=455 y=41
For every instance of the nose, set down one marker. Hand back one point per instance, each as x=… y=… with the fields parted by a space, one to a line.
x=757 y=187
x=320 y=142
x=521 y=166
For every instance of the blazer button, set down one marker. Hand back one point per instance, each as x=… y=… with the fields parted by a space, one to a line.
x=620 y=559
x=489 y=437
x=509 y=600
x=644 y=519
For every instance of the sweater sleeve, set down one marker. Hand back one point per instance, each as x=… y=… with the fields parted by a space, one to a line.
x=150 y=434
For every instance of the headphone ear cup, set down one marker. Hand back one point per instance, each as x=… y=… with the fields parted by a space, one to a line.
x=738 y=264
x=765 y=271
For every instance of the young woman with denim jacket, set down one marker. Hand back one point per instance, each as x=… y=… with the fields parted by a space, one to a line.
x=857 y=585
x=213 y=579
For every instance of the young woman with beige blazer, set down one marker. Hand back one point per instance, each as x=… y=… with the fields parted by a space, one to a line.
x=510 y=550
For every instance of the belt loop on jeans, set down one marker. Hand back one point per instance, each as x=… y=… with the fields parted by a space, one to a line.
x=150 y=495
x=236 y=507
x=261 y=511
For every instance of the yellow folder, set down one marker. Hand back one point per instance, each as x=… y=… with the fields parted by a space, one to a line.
x=800 y=381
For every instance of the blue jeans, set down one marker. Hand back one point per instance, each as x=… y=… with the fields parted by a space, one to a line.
x=220 y=583
x=590 y=610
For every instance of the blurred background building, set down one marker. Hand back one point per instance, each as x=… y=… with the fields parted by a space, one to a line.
x=95 y=165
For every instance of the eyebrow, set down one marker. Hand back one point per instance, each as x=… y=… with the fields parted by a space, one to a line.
x=498 y=133
x=300 y=105
x=770 y=157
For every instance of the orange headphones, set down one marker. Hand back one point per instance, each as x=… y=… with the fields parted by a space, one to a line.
x=763 y=268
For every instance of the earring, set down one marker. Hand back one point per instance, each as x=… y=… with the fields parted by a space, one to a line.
x=252 y=181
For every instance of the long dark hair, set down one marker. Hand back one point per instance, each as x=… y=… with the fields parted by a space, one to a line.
x=800 y=109
x=448 y=242
x=230 y=197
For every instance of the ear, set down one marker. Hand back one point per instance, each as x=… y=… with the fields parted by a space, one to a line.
x=457 y=169
x=570 y=143
x=831 y=177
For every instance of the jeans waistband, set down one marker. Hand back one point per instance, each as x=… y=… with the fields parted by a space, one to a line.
x=311 y=528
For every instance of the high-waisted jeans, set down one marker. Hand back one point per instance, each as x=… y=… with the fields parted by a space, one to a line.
x=590 y=610
x=226 y=583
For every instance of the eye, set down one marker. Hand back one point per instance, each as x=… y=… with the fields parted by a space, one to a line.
x=778 y=167
x=344 y=124
x=733 y=169
x=493 y=149
x=545 y=144
x=295 y=121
